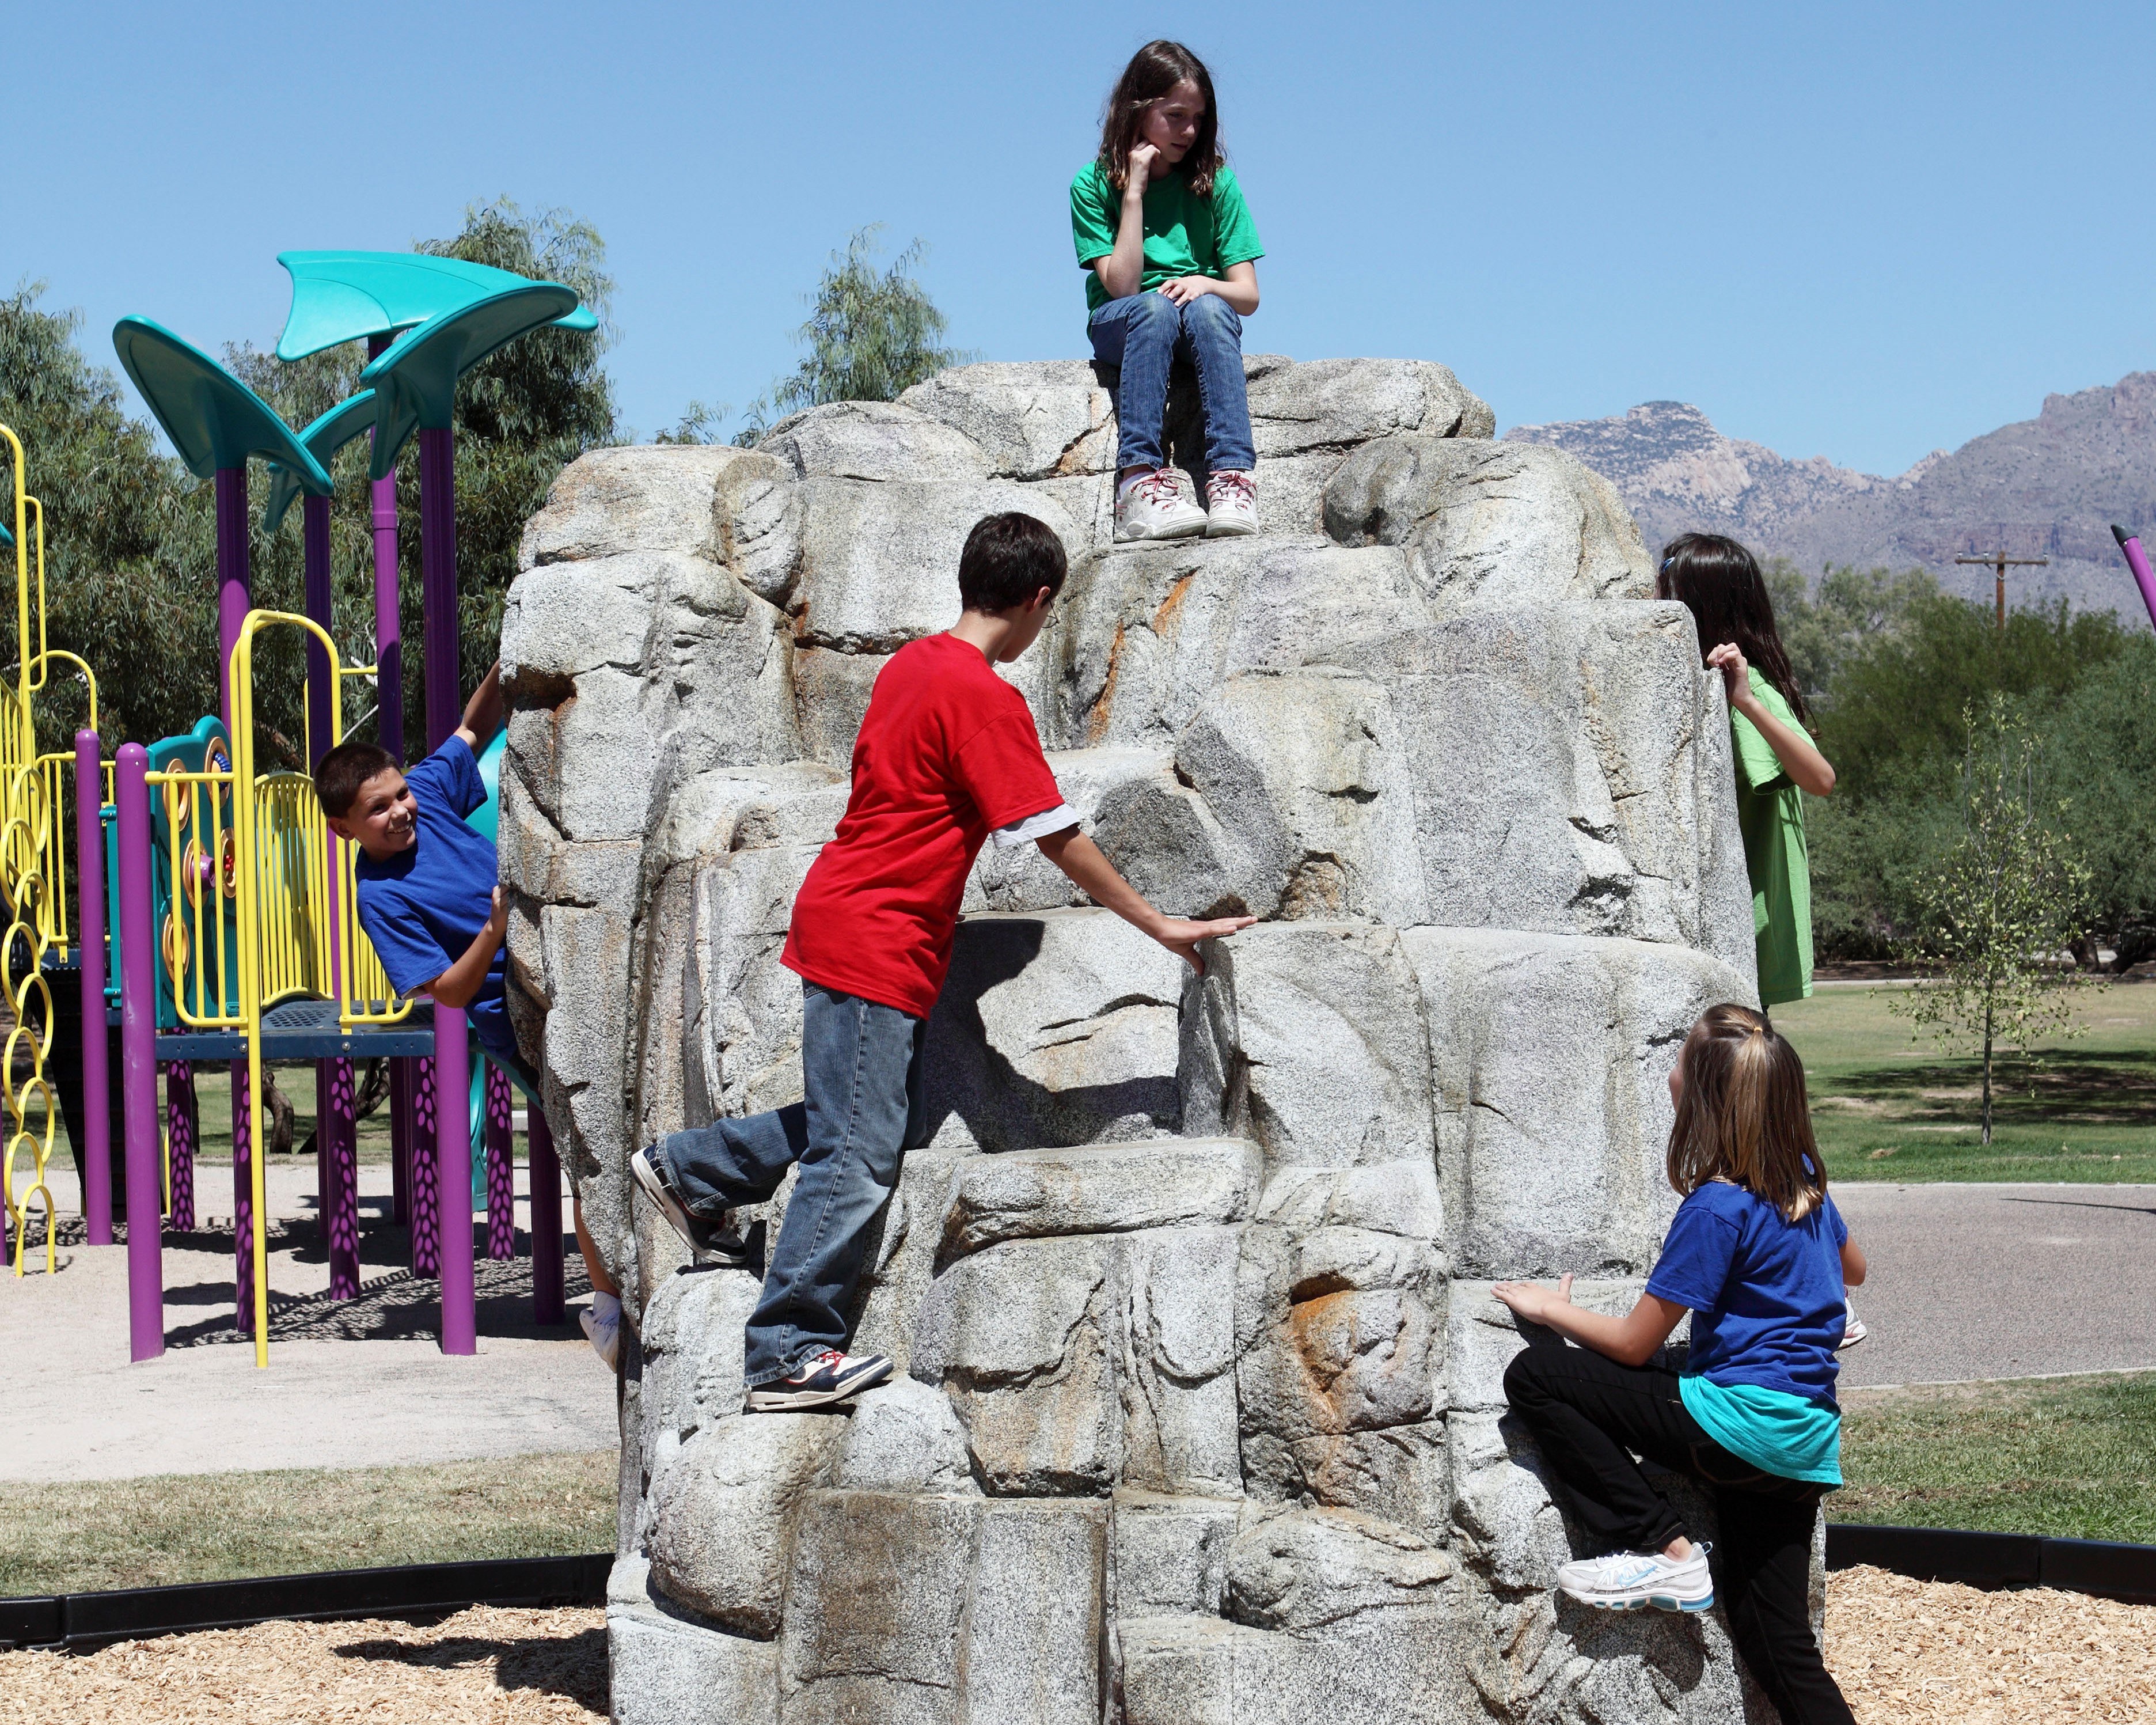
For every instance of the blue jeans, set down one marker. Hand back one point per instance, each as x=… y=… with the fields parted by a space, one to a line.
x=1145 y=334
x=861 y=1070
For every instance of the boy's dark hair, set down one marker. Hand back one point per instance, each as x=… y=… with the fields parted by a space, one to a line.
x=339 y=774
x=1719 y=582
x=1154 y=70
x=1007 y=559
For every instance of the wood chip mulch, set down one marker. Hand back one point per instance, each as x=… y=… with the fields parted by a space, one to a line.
x=1930 y=1653
x=484 y=1666
x=1905 y=1653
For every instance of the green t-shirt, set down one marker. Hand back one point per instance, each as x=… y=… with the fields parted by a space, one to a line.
x=1770 y=814
x=1185 y=235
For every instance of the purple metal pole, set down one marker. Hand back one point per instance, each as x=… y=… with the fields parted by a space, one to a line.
x=453 y=1141
x=400 y=1141
x=181 y=1115
x=500 y=1168
x=2138 y=561
x=90 y=889
x=315 y=535
x=426 y=1173
x=323 y=1154
x=340 y=1124
x=438 y=580
x=138 y=1060
x=389 y=630
x=231 y=590
x=243 y=1202
x=547 y=1308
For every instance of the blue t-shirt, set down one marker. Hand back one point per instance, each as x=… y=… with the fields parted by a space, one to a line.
x=1768 y=1307
x=424 y=907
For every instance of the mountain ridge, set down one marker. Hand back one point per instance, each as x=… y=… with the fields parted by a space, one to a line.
x=2047 y=486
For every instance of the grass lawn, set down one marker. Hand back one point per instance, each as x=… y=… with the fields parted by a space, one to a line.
x=2067 y=1457
x=1886 y=1107
x=177 y=1527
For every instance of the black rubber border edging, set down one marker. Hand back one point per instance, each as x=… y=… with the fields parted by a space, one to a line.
x=94 y=1620
x=2086 y=1566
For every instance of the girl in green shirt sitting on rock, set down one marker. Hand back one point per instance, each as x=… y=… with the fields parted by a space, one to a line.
x=1719 y=582
x=1170 y=255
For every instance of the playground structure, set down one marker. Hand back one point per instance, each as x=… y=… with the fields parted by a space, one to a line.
x=218 y=919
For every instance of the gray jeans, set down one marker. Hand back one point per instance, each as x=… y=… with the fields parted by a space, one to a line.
x=860 y=1071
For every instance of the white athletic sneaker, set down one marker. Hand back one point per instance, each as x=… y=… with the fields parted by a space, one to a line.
x=1852 y=1327
x=1626 y=1580
x=601 y=1322
x=828 y=1378
x=1153 y=506
x=1231 y=505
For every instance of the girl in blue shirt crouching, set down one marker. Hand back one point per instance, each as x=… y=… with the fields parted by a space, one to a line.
x=1759 y=1256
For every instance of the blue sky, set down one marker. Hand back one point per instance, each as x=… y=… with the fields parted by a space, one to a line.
x=1855 y=231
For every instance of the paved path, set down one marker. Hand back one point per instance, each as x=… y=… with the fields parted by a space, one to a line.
x=2002 y=1282
x=349 y=1384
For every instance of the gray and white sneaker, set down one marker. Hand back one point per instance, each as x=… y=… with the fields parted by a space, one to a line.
x=820 y=1380
x=1627 y=1580
x=1153 y=506
x=1852 y=1327
x=720 y=1242
x=1231 y=505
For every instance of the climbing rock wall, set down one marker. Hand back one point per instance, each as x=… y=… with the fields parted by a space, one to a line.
x=1198 y=1417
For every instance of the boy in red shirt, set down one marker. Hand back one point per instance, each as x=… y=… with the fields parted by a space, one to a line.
x=948 y=754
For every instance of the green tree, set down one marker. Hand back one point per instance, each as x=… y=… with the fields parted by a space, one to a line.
x=130 y=537
x=1997 y=909
x=1852 y=608
x=870 y=334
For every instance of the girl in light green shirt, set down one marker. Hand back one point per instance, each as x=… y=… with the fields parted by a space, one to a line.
x=1718 y=580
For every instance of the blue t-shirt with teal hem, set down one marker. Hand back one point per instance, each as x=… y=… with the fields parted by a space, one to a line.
x=424 y=907
x=1768 y=1307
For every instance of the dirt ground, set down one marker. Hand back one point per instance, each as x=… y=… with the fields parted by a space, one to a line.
x=1905 y=1652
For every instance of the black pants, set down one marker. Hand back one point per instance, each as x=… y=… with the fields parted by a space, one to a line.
x=1588 y=1414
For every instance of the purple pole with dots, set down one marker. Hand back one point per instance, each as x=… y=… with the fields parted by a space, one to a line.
x=138 y=1050
x=500 y=1168
x=243 y=1201
x=96 y=1098
x=426 y=1184
x=339 y=1134
x=181 y=1113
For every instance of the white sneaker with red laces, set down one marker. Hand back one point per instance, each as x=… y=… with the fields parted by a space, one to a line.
x=818 y=1381
x=1231 y=505
x=1153 y=506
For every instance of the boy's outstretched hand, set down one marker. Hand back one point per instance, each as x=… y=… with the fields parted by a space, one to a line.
x=1093 y=875
x=1180 y=935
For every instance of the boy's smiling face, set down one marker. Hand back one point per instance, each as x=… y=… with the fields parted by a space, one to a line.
x=383 y=820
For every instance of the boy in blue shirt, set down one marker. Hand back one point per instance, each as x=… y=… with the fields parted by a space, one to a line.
x=429 y=901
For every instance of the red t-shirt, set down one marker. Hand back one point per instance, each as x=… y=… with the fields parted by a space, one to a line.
x=947 y=752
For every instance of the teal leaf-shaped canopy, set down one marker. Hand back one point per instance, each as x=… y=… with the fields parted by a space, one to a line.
x=415 y=380
x=323 y=439
x=342 y=297
x=213 y=419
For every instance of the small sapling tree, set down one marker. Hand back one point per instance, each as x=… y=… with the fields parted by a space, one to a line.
x=1996 y=909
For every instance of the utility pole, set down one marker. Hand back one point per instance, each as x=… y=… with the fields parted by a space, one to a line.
x=1999 y=563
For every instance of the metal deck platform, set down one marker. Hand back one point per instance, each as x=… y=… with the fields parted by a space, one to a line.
x=303 y=1030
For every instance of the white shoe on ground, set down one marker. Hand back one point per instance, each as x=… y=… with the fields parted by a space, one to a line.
x=1852 y=1327
x=1231 y=505
x=1626 y=1580
x=1153 y=506
x=601 y=1323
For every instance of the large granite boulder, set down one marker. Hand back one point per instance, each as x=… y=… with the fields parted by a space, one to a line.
x=1199 y=1417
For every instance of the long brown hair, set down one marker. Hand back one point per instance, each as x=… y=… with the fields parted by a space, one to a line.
x=1742 y=1115
x=1154 y=70
x=1719 y=582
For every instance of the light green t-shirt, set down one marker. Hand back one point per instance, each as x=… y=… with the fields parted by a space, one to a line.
x=1185 y=235
x=1770 y=814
